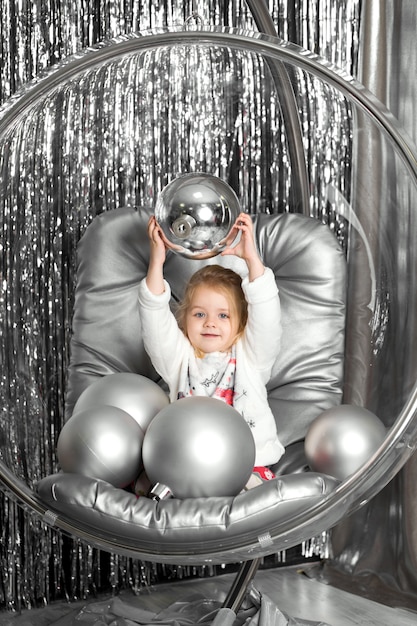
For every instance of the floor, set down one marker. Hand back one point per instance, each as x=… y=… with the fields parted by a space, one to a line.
x=296 y=594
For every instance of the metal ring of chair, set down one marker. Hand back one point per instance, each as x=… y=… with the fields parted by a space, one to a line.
x=402 y=436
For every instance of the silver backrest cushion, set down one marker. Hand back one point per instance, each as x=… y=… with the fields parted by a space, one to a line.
x=310 y=270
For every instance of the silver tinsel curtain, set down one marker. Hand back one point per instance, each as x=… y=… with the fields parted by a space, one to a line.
x=63 y=165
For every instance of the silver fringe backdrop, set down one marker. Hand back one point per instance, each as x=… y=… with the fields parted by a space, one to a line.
x=94 y=146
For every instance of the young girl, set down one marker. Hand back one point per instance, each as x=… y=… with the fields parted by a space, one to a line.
x=226 y=336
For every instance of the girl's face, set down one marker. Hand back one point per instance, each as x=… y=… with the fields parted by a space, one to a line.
x=211 y=323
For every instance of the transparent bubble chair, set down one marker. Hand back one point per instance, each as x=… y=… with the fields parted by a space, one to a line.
x=84 y=152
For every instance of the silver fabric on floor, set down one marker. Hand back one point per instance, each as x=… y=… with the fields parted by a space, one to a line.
x=288 y=594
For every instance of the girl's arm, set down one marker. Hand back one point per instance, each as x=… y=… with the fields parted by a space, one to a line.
x=263 y=331
x=164 y=342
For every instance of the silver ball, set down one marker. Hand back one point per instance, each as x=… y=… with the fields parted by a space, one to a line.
x=196 y=212
x=137 y=395
x=199 y=447
x=342 y=439
x=102 y=442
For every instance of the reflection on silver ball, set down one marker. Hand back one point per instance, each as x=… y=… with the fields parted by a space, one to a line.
x=342 y=439
x=137 y=395
x=102 y=442
x=199 y=447
x=196 y=212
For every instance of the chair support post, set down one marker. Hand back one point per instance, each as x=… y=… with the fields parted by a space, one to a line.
x=227 y=613
x=238 y=590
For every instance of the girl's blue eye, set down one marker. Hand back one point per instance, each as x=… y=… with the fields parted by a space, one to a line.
x=223 y=316
x=199 y=314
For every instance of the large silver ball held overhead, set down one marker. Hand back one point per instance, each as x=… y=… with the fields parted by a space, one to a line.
x=196 y=212
x=199 y=447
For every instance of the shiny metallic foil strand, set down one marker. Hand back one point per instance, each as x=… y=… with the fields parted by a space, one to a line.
x=112 y=137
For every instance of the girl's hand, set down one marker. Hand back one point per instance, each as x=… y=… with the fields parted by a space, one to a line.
x=155 y=275
x=158 y=247
x=245 y=248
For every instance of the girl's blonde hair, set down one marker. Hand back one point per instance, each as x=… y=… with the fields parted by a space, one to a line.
x=221 y=279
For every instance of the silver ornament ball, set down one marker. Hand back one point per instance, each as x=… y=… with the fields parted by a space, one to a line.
x=139 y=396
x=101 y=442
x=342 y=439
x=196 y=212
x=199 y=447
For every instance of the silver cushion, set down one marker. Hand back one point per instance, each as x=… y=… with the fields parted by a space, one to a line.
x=174 y=528
x=310 y=270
